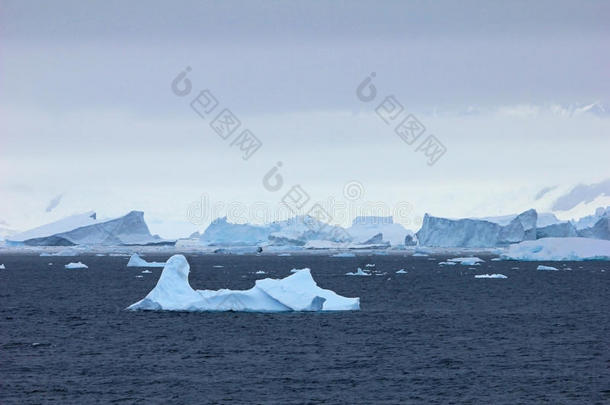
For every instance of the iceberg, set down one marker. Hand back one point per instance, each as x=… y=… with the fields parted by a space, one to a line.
x=146 y=271
x=378 y=230
x=548 y=268
x=401 y=271
x=490 y=276
x=559 y=249
x=344 y=254
x=136 y=261
x=77 y=265
x=467 y=261
x=85 y=229
x=359 y=272
x=447 y=263
x=2 y=267
x=297 y=292
x=476 y=233
x=296 y=231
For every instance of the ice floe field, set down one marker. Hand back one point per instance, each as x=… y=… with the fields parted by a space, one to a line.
x=428 y=334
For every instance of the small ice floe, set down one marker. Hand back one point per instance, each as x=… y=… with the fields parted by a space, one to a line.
x=496 y=259
x=369 y=265
x=294 y=270
x=447 y=263
x=260 y=272
x=77 y=265
x=218 y=266
x=284 y=254
x=100 y=254
x=359 y=272
x=514 y=268
x=401 y=271
x=420 y=255
x=146 y=271
x=490 y=276
x=2 y=267
x=548 y=268
x=50 y=264
x=467 y=261
x=344 y=254
x=136 y=261
x=139 y=276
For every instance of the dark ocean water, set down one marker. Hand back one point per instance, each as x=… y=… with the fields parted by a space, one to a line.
x=434 y=335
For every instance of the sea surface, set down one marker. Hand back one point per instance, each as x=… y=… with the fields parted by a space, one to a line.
x=435 y=335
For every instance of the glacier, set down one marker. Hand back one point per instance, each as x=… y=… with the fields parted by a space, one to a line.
x=559 y=249
x=297 y=292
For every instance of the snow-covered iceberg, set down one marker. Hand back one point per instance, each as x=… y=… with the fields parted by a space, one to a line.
x=86 y=229
x=490 y=276
x=77 y=265
x=297 y=292
x=467 y=261
x=136 y=261
x=476 y=233
x=359 y=272
x=377 y=230
x=559 y=249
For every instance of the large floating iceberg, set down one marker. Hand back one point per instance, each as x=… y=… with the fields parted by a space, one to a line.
x=297 y=292
x=559 y=249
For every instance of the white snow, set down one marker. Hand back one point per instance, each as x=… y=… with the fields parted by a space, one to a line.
x=297 y=292
x=490 y=276
x=401 y=271
x=551 y=268
x=559 y=249
x=467 y=261
x=77 y=265
x=136 y=261
x=359 y=272
x=344 y=254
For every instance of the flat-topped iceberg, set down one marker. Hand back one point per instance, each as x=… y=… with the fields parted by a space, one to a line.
x=136 y=261
x=547 y=268
x=559 y=249
x=490 y=276
x=467 y=261
x=297 y=292
x=77 y=265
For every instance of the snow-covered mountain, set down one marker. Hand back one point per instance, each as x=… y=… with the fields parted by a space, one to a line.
x=86 y=229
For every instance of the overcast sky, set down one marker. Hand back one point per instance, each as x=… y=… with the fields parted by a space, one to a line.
x=87 y=111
